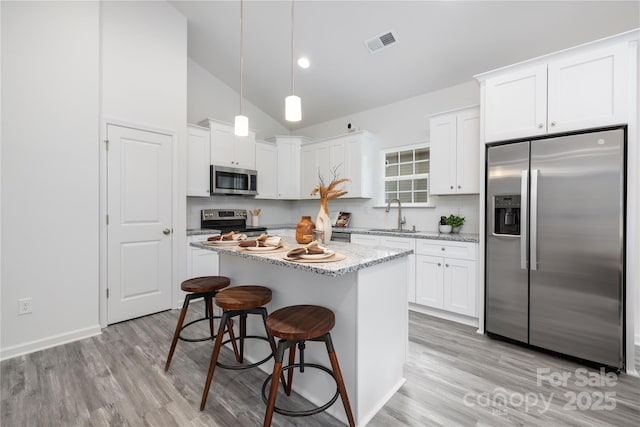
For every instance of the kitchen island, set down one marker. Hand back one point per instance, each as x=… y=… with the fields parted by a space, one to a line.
x=367 y=293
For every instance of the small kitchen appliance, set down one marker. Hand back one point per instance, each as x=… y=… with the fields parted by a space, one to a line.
x=227 y=220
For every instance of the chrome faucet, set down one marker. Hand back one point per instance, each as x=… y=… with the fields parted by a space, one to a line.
x=401 y=220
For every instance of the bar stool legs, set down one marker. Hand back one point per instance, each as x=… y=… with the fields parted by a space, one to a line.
x=336 y=373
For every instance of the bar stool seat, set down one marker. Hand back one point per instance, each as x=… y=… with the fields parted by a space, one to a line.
x=205 y=287
x=239 y=301
x=294 y=325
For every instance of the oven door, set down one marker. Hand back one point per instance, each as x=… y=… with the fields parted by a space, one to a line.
x=225 y=180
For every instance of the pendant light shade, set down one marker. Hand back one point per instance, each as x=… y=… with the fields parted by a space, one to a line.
x=292 y=103
x=241 y=125
x=293 y=108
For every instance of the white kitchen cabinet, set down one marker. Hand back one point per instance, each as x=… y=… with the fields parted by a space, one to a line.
x=315 y=161
x=455 y=152
x=201 y=262
x=568 y=91
x=278 y=166
x=267 y=168
x=198 y=153
x=230 y=150
x=351 y=155
x=288 y=167
x=396 y=243
x=446 y=276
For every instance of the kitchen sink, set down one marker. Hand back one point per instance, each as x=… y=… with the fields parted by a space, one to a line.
x=393 y=230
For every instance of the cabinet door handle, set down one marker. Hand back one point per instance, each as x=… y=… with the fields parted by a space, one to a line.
x=442 y=249
x=459 y=186
x=439 y=264
x=446 y=265
x=452 y=187
x=540 y=125
x=553 y=123
x=166 y=231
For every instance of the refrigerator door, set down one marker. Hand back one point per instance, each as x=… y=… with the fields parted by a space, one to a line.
x=576 y=234
x=506 y=269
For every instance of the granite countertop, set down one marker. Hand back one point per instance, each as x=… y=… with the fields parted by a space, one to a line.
x=357 y=257
x=201 y=231
x=433 y=235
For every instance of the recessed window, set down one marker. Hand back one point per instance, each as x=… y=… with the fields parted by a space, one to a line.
x=406 y=175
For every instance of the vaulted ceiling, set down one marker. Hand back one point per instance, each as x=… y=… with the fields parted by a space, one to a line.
x=439 y=44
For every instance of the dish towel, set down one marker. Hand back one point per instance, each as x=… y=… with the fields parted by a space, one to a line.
x=264 y=241
x=232 y=235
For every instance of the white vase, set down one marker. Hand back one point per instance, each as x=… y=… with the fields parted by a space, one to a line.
x=324 y=223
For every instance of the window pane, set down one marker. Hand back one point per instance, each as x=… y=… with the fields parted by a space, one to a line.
x=391 y=171
x=392 y=158
x=422 y=154
x=390 y=196
x=420 y=196
x=406 y=169
x=405 y=197
x=390 y=186
x=422 y=167
x=406 y=156
x=419 y=184
x=405 y=185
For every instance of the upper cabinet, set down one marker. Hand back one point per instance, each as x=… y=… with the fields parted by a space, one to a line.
x=198 y=152
x=230 y=150
x=577 y=89
x=455 y=152
x=351 y=156
x=278 y=166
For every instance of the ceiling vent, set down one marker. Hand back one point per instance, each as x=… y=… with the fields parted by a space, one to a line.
x=380 y=42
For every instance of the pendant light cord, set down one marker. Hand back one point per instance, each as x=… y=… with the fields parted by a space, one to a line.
x=241 y=50
x=292 y=46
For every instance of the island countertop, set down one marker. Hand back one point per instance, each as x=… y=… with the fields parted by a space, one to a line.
x=357 y=256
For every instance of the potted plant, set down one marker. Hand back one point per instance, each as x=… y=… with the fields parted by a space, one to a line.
x=443 y=227
x=456 y=222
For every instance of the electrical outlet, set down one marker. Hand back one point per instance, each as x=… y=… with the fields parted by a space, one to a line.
x=24 y=306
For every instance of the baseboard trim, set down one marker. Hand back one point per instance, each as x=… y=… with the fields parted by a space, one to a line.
x=454 y=317
x=48 y=342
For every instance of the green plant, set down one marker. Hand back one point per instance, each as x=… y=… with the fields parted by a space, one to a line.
x=455 y=220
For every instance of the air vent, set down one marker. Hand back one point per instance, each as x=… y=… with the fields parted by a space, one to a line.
x=380 y=42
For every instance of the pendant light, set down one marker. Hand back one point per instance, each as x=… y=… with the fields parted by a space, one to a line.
x=292 y=103
x=241 y=127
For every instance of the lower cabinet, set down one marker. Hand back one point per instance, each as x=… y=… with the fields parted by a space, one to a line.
x=446 y=276
x=201 y=262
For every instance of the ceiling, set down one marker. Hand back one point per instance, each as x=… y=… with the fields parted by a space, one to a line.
x=440 y=44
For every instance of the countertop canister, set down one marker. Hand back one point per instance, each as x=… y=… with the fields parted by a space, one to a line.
x=304 y=230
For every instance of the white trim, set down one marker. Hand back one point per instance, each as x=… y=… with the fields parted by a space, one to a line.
x=102 y=234
x=48 y=342
x=455 y=110
x=366 y=418
x=446 y=315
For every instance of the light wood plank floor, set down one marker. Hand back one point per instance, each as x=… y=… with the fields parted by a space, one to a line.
x=453 y=375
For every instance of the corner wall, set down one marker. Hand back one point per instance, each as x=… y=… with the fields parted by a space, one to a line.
x=50 y=99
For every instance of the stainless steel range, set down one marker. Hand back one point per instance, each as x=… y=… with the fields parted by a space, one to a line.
x=227 y=220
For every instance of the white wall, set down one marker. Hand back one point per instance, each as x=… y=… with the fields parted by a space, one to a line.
x=401 y=123
x=211 y=98
x=144 y=82
x=50 y=100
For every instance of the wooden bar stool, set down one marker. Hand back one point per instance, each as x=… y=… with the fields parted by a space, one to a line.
x=239 y=301
x=200 y=287
x=294 y=325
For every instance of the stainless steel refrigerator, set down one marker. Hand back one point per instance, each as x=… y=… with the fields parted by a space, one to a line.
x=555 y=244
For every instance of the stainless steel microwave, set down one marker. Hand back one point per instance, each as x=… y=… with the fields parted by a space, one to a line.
x=226 y=180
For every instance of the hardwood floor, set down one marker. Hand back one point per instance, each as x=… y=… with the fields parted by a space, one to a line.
x=454 y=377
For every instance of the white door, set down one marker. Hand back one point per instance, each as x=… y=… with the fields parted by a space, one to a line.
x=443 y=154
x=267 y=167
x=429 y=285
x=198 y=154
x=468 y=152
x=516 y=104
x=139 y=171
x=460 y=286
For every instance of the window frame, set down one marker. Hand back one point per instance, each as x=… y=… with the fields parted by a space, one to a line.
x=385 y=179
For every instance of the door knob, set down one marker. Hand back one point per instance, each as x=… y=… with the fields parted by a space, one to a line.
x=166 y=231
